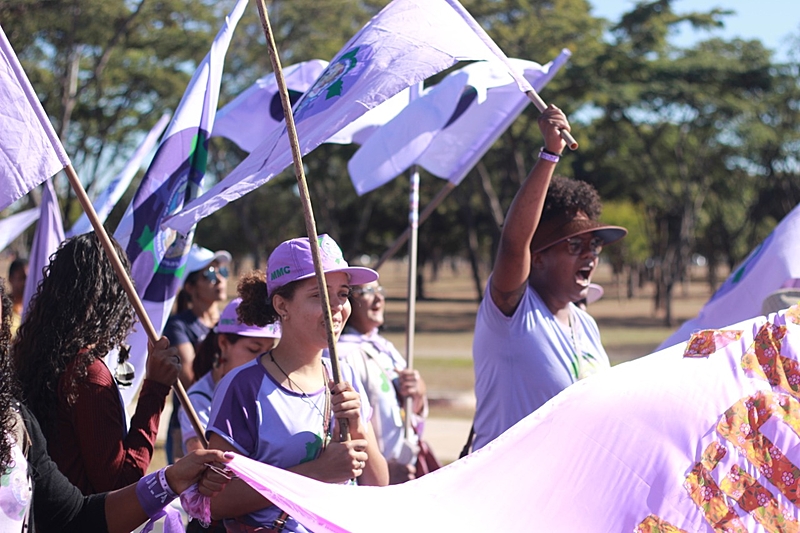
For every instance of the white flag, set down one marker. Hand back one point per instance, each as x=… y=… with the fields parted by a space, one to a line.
x=158 y=257
x=11 y=227
x=30 y=151
x=451 y=126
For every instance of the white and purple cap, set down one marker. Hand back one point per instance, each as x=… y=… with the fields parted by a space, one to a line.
x=199 y=258
x=229 y=323
x=292 y=261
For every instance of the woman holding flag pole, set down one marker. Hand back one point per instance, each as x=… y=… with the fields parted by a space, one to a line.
x=283 y=408
x=83 y=309
x=313 y=308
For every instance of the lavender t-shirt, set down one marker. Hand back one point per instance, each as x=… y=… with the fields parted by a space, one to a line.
x=268 y=423
x=200 y=395
x=523 y=360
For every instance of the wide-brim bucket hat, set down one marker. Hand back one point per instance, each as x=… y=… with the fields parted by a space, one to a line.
x=564 y=226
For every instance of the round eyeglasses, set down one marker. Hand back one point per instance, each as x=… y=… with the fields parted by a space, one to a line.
x=370 y=291
x=577 y=246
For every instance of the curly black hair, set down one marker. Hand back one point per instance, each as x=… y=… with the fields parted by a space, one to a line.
x=79 y=313
x=256 y=308
x=567 y=195
x=9 y=388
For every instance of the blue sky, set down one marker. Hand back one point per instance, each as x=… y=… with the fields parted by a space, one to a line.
x=771 y=21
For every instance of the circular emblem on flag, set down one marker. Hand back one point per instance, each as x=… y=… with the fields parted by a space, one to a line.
x=339 y=76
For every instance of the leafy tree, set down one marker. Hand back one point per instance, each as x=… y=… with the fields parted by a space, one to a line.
x=105 y=70
x=670 y=130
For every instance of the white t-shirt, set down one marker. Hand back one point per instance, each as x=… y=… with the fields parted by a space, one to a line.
x=200 y=395
x=523 y=360
x=376 y=362
x=16 y=491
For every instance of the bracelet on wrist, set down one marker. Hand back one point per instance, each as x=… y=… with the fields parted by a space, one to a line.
x=545 y=150
x=547 y=155
x=154 y=493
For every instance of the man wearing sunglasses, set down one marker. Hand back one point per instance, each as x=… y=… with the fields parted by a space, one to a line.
x=204 y=287
x=531 y=341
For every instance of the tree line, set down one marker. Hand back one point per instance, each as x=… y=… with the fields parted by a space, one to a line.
x=692 y=148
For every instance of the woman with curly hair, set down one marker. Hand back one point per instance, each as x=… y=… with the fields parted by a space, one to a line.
x=31 y=481
x=531 y=341
x=79 y=314
x=280 y=408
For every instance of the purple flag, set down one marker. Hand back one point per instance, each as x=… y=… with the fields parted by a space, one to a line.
x=157 y=256
x=48 y=237
x=114 y=190
x=698 y=438
x=407 y=42
x=767 y=268
x=11 y=227
x=451 y=126
x=30 y=151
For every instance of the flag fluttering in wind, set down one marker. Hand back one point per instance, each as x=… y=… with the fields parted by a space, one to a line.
x=373 y=120
x=114 y=190
x=404 y=44
x=451 y=125
x=174 y=177
x=698 y=438
x=772 y=263
x=11 y=227
x=30 y=151
x=254 y=114
x=48 y=237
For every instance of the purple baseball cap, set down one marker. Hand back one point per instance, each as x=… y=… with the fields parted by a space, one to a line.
x=292 y=261
x=229 y=323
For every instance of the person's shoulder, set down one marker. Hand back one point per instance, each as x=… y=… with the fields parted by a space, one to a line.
x=347 y=348
x=528 y=300
x=250 y=374
x=204 y=385
x=587 y=319
x=182 y=317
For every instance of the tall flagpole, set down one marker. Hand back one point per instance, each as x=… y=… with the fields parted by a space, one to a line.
x=130 y=290
x=308 y=211
x=413 y=226
x=403 y=237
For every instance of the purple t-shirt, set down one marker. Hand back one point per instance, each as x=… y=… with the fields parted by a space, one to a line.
x=268 y=423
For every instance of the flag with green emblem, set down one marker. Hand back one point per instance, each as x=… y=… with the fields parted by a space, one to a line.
x=404 y=44
x=174 y=178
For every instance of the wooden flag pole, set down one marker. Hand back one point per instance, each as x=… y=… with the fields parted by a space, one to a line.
x=129 y=289
x=308 y=212
x=534 y=97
